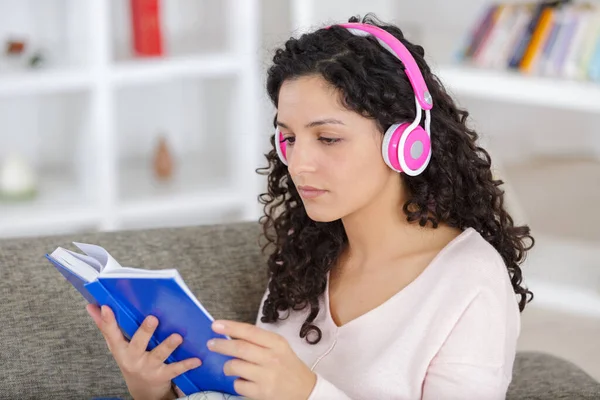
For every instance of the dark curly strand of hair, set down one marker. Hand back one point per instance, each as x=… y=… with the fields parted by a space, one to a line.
x=457 y=188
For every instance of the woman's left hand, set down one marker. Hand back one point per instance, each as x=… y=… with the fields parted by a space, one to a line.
x=268 y=367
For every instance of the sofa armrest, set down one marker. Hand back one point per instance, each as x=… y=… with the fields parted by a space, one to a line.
x=539 y=375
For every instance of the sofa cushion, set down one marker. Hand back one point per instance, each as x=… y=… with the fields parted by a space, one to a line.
x=539 y=376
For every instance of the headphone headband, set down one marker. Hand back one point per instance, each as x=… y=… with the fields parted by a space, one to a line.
x=394 y=46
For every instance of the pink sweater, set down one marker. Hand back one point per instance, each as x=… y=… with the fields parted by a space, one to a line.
x=450 y=334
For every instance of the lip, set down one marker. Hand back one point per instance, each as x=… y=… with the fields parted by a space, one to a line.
x=310 y=192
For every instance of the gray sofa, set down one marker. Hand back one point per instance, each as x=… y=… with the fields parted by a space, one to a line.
x=50 y=348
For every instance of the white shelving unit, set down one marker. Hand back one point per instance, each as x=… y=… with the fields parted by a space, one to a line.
x=144 y=71
x=517 y=88
x=50 y=81
x=544 y=269
x=102 y=166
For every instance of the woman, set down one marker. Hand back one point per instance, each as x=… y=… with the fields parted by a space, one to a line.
x=394 y=271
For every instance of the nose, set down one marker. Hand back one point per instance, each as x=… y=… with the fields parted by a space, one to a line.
x=301 y=157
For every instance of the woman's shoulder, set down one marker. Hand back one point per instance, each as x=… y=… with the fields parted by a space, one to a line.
x=471 y=244
x=471 y=275
x=471 y=259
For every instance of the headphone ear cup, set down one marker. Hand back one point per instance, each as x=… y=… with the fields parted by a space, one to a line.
x=406 y=151
x=389 y=147
x=280 y=146
x=415 y=151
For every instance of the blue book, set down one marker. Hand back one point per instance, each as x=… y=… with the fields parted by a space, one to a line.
x=135 y=293
x=593 y=68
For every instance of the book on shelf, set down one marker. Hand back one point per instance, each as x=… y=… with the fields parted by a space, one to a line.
x=557 y=38
x=146 y=27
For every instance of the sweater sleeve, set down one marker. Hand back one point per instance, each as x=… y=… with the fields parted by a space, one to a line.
x=476 y=360
x=325 y=390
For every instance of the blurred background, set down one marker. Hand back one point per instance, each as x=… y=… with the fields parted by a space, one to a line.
x=133 y=114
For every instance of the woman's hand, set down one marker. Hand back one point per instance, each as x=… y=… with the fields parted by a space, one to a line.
x=145 y=373
x=268 y=367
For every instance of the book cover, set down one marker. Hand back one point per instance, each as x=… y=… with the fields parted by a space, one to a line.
x=538 y=38
x=146 y=27
x=525 y=39
x=592 y=36
x=481 y=30
x=133 y=294
x=524 y=12
x=563 y=43
x=499 y=36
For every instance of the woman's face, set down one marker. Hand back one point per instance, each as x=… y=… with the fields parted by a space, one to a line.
x=334 y=155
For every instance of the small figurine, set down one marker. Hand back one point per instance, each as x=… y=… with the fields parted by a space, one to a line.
x=163 y=162
x=15 y=47
x=36 y=60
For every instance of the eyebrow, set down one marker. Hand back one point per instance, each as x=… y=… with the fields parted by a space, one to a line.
x=326 y=121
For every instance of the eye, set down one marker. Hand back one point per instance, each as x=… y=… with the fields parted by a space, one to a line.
x=329 y=141
x=289 y=140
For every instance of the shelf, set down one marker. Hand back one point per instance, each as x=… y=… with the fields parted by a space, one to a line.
x=572 y=299
x=44 y=81
x=132 y=72
x=521 y=89
x=196 y=188
x=138 y=71
x=59 y=207
x=141 y=71
x=47 y=221
x=211 y=202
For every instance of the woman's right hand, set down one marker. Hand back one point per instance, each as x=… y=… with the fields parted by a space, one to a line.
x=145 y=372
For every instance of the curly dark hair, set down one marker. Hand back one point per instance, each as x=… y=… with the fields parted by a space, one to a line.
x=457 y=188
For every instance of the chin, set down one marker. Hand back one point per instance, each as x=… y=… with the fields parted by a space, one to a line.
x=319 y=214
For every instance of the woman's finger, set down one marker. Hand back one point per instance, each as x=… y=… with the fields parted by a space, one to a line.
x=240 y=348
x=94 y=312
x=110 y=330
x=243 y=369
x=161 y=352
x=249 y=332
x=247 y=388
x=139 y=342
x=173 y=370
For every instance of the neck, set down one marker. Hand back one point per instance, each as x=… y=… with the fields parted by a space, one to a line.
x=380 y=231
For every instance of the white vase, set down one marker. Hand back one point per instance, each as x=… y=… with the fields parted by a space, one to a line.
x=17 y=178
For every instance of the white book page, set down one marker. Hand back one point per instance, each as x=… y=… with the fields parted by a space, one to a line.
x=87 y=259
x=100 y=259
x=125 y=272
x=99 y=253
x=77 y=266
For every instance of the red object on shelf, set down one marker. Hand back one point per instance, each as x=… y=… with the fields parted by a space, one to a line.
x=146 y=27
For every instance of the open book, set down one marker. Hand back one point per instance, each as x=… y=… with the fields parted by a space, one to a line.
x=135 y=293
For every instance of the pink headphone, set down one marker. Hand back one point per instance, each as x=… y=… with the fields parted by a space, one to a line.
x=406 y=147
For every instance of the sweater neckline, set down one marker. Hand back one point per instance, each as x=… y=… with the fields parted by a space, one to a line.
x=401 y=293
